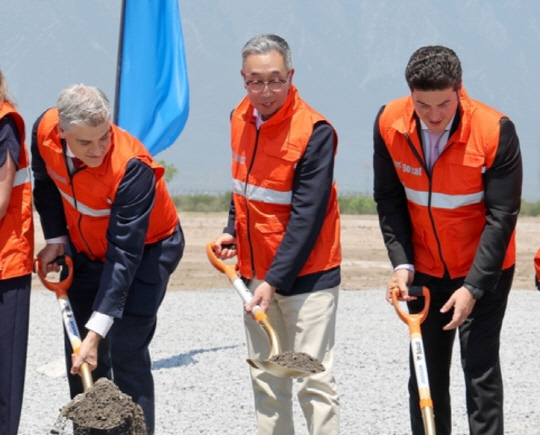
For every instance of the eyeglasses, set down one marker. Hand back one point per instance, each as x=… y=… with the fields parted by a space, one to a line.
x=256 y=86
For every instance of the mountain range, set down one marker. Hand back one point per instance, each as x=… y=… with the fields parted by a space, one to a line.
x=349 y=57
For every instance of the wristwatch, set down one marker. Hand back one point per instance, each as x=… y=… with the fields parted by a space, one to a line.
x=475 y=291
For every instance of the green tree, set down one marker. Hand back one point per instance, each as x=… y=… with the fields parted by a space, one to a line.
x=170 y=170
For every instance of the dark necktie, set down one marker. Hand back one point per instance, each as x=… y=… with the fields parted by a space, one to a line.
x=76 y=162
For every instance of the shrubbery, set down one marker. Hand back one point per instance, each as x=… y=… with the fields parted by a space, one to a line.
x=348 y=204
x=203 y=203
x=356 y=204
x=530 y=208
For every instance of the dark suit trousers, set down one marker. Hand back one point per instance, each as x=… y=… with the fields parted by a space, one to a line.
x=14 y=320
x=479 y=338
x=123 y=354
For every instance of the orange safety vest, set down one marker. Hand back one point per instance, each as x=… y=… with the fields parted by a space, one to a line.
x=89 y=193
x=537 y=265
x=263 y=168
x=17 y=226
x=447 y=210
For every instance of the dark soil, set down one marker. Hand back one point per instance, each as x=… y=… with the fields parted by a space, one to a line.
x=298 y=361
x=103 y=407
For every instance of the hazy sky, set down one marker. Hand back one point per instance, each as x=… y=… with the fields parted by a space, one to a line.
x=349 y=58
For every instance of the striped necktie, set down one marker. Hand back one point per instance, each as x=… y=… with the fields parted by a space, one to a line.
x=434 y=139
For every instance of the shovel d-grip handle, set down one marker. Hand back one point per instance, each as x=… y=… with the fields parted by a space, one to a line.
x=260 y=316
x=60 y=288
x=418 y=354
x=68 y=318
x=238 y=284
x=413 y=320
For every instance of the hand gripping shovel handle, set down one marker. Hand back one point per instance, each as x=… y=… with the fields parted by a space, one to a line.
x=260 y=316
x=417 y=348
x=68 y=318
x=413 y=320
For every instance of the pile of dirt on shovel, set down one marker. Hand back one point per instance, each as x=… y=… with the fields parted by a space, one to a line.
x=298 y=361
x=103 y=407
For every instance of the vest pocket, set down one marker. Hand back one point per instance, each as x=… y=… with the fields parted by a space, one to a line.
x=463 y=173
x=267 y=239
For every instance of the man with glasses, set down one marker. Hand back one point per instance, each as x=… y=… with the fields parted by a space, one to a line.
x=448 y=177
x=284 y=227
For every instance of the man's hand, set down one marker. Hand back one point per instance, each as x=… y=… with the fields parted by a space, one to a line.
x=88 y=353
x=47 y=256
x=463 y=302
x=262 y=296
x=400 y=279
x=224 y=246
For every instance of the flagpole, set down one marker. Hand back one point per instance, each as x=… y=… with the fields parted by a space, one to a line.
x=119 y=63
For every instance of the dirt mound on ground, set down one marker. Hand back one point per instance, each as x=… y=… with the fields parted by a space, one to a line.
x=102 y=407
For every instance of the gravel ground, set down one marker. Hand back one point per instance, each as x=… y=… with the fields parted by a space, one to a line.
x=202 y=380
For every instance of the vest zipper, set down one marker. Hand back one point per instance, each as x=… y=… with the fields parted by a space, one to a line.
x=430 y=214
x=248 y=226
x=69 y=166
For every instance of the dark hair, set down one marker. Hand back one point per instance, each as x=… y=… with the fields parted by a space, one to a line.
x=433 y=68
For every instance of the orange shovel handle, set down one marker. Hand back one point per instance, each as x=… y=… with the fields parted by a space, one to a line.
x=417 y=349
x=227 y=269
x=234 y=278
x=60 y=288
x=258 y=313
x=412 y=319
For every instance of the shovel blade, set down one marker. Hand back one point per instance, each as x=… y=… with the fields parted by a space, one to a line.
x=277 y=369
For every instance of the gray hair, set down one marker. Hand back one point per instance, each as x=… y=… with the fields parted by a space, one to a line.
x=265 y=43
x=80 y=104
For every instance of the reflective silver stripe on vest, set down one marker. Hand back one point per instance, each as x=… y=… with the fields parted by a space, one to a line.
x=22 y=176
x=441 y=200
x=84 y=209
x=257 y=193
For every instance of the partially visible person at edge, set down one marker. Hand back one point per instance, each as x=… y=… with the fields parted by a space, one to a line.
x=16 y=253
x=448 y=218
x=284 y=227
x=537 y=270
x=103 y=201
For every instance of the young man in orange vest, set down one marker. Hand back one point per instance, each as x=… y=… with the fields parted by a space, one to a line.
x=285 y=226
x=102 y=200
x=448 y=177
x=16 y=260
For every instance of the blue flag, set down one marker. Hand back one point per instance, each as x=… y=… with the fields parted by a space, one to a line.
x=152 y=100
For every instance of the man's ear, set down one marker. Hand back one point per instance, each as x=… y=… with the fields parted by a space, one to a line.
x=61 y=131
x=291 y=73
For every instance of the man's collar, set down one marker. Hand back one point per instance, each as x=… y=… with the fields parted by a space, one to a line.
x=258 y=118
x=425 y=127
x=69 y=153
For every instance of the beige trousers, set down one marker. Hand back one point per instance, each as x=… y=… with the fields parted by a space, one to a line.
x=303 y=323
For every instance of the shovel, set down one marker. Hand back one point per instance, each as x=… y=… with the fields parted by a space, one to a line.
x=102 y=406
x=418 y=355
x=262 y=319
x=60 y=289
